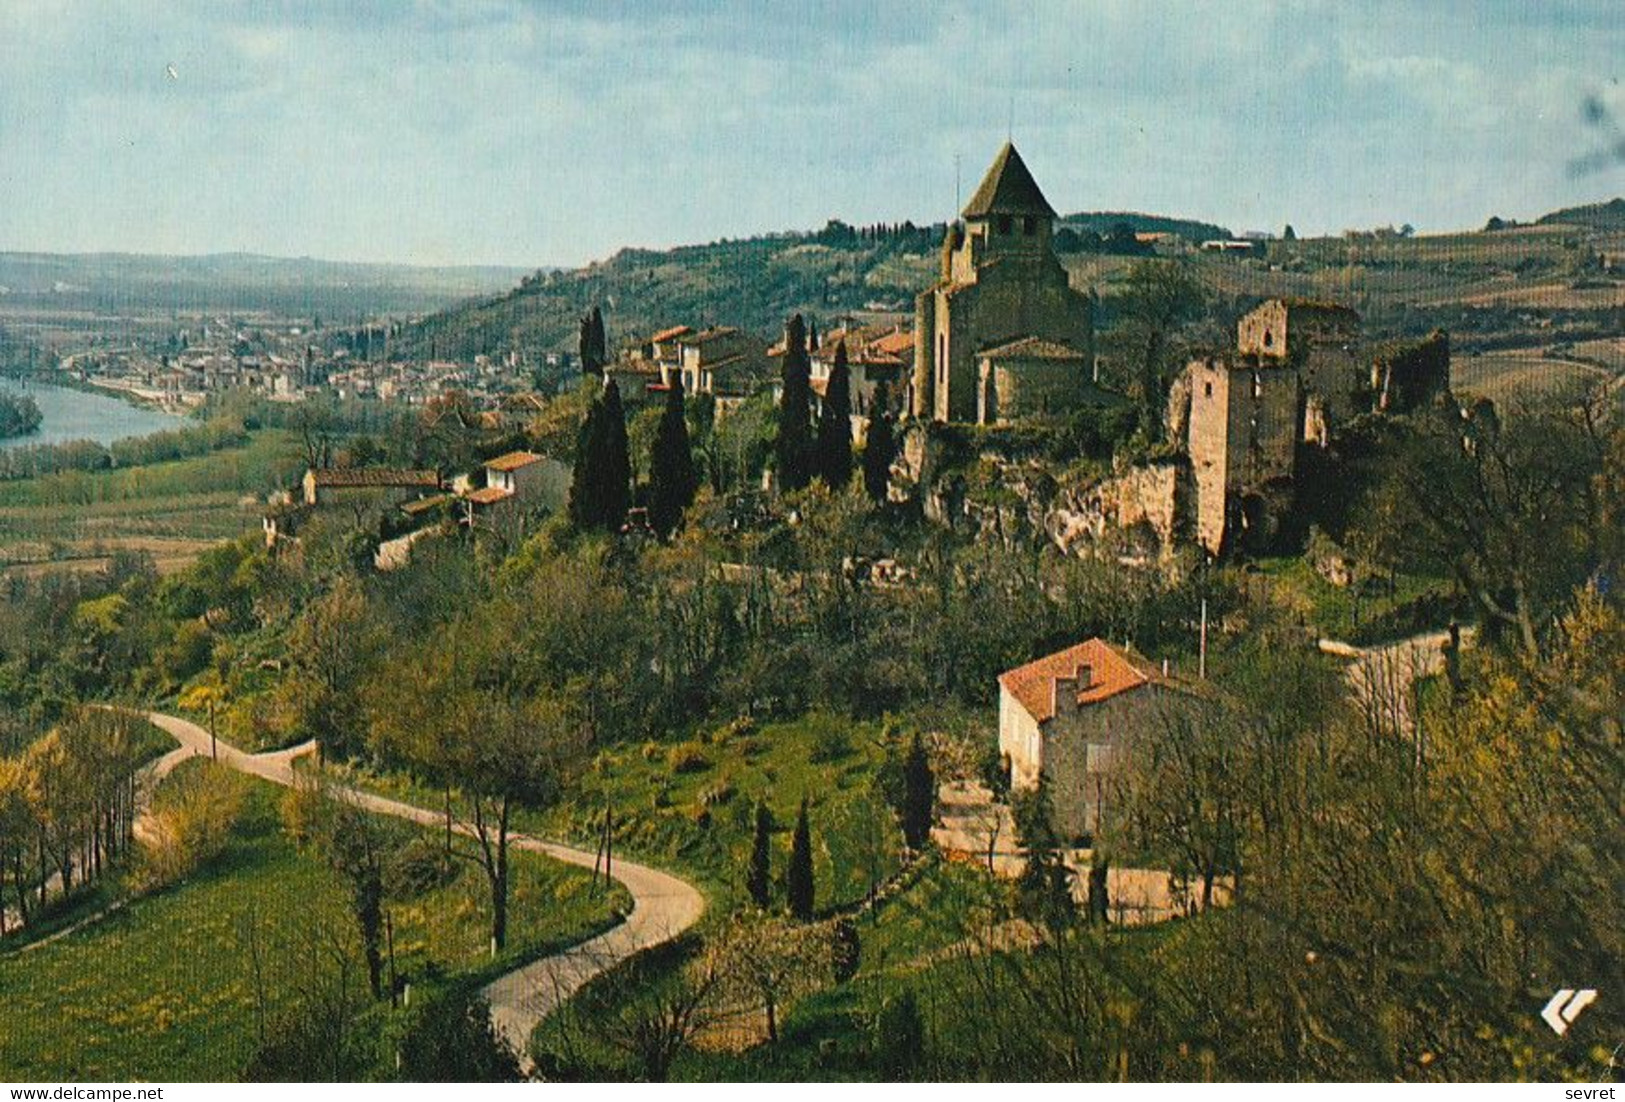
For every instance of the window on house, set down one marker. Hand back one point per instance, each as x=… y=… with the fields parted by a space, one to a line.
x=1207 y=390
x=1269 y=339
x=1029 y=225
x=1004 y=224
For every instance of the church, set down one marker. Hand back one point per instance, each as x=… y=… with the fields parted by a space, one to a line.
x=1002 y=334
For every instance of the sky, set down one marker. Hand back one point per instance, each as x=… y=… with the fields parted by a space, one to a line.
x=541 y=133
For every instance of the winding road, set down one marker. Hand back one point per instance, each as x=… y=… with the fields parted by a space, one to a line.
x=663 y=906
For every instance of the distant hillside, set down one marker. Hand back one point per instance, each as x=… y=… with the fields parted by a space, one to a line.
x=1101 y=222
x=1599 y=216
x=237 y=281
x=755 y=283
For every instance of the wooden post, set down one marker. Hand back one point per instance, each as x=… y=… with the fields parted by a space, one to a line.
x=1201 y=661
x=389 y=939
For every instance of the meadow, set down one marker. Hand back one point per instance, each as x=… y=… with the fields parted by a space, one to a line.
x=165 y=988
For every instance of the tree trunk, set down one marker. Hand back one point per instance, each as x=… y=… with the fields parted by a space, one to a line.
x=499 y=883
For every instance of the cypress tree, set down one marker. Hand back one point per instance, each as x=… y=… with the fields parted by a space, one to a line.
x=672 y=480
x=617 y=491
x=835 y=425
x=600 y=482
x=590 y=343
x=798 y=877
x=583 y=476
x=793 y=447
x=758 y=876
x=919 y=795
x=880 y=447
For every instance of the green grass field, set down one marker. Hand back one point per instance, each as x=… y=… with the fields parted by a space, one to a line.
x=688 y=807
x=1340 y=612
x=165 y=989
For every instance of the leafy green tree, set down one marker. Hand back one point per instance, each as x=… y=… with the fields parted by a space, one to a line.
x=919 y=794
x=1044 y=887
x=758 y=876
x=879 y=447
x=1161 y=298
x=834 y=442
x=672 y=478
x=798 y=876
x=793 y=446
x=453 y=1040
x=483 y=708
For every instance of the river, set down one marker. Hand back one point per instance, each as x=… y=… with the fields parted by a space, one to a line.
x=80 y=415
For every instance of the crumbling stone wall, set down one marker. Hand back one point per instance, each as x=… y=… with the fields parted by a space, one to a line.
x=1409 y=376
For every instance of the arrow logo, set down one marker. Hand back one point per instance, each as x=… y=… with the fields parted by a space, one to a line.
x=1565 y=1006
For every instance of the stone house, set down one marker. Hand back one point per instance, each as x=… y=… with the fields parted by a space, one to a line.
x=1032 y=377
x=875 y=354
x=1000 y=280
x=1067 y=716
x=525 y=479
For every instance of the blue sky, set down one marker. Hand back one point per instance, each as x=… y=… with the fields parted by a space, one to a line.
x=553 y=133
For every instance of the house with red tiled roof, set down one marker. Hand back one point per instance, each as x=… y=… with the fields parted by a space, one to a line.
x=1066 y=716
x=522 y=478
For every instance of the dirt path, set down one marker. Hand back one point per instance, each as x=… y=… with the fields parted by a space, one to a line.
x=663 y=906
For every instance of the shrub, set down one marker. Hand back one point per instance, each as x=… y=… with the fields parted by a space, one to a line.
x=899 y=1034
x=688 y=757
x=190 y=822
x=831 y=739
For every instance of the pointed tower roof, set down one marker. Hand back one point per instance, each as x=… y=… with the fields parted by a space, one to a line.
x=1008 y=188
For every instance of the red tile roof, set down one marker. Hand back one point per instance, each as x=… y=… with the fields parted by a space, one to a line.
x=668 y=334
x=353 y=477
x=1111 y=671
x=512 y=461
x=489 y=495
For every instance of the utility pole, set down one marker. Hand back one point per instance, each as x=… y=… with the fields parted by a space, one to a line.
x=1201 y=660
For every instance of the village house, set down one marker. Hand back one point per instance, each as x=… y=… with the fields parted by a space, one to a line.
x=875 y=354
x=1068 y=715
x=522 y=478
x=387 y=485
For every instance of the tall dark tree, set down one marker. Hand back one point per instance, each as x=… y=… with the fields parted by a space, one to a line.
x=798 y=877
x=600 y=484
x=759 y=874
x=617 y=460
x=672 y=478
x=880 y=446
x=585 y=475
x=591 y=345
x=919 y=795
x=793 y=447
x=834 y=444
